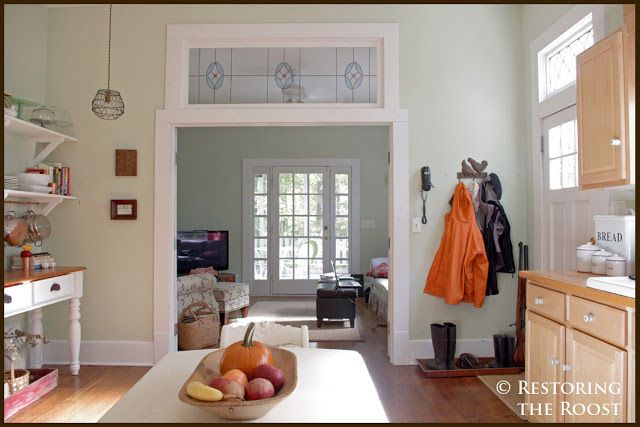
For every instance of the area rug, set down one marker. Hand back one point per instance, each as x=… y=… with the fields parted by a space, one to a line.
x=512 y=398
x=298 y=313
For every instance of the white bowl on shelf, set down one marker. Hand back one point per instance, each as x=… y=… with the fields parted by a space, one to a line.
x=35 y=188
x=33 y=179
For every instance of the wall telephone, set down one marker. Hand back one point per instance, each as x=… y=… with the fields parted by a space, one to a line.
x=425 y=175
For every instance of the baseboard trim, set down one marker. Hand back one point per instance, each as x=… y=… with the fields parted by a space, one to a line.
x=423 y=349
x=112 y=353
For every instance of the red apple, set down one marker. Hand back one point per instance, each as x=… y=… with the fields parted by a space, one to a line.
x=271 y=373
x=259 y=388
x=227 y=386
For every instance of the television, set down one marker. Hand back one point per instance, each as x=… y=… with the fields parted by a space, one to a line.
x=202 y=249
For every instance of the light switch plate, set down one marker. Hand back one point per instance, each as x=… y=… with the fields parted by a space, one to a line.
x=416 y=225
x=367 y=223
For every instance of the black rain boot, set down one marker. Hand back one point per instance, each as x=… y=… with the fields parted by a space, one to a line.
x=499 y=349
x=439 y=340
x=451 y=344
x=510 y=350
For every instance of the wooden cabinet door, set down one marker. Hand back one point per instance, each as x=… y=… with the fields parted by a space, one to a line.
x=592 y=362
x=544 y=345
x=601 y=113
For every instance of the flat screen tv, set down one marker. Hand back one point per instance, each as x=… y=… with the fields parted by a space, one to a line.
x=201 y=249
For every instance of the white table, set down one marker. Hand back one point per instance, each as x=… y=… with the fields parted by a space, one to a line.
x=333 y=386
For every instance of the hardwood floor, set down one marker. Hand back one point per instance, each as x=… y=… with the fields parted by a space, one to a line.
x=407 y=396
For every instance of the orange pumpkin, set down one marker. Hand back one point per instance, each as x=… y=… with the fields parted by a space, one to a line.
x=246 y=355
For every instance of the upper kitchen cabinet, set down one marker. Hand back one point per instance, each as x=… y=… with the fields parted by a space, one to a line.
x=606 y=109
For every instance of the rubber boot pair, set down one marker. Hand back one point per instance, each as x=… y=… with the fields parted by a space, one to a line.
x=443 y=338
x=504 y=347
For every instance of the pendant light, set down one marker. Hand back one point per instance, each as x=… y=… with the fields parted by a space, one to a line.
x=108 y=104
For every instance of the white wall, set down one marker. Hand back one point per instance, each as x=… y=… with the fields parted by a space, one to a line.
x=461 y=80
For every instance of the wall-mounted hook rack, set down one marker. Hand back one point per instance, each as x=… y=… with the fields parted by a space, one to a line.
x=474 y=171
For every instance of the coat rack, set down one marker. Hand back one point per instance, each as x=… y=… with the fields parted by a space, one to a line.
x=474 y=171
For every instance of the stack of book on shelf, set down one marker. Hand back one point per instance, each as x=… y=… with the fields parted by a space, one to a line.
x=58 y=175
x=36 y=261
x=10 y=182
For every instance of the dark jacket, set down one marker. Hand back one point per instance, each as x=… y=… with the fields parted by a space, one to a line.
x=496 y=232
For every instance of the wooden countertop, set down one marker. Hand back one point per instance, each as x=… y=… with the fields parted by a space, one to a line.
x=575 y=282
x=15 y=277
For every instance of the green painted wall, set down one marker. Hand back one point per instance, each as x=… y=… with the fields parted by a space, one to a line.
x=25 y=64
x=463 y=78
x=210 y=176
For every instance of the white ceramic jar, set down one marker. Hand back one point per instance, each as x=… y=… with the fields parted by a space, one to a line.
x=598 y=260
x=616 y=266
x=583 y=257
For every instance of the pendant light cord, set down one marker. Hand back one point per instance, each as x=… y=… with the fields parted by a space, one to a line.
x=109 y=62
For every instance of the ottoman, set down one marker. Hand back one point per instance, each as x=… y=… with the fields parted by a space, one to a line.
x=231 y=296
x=335 y=303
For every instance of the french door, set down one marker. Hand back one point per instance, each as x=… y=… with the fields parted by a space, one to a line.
x=303 y=218
x=567 y=220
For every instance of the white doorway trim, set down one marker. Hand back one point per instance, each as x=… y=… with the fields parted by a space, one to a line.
x=178 y=115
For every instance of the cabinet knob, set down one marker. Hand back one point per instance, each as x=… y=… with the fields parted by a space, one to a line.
x=566 y=368
x=55 y=287
x=589 y=318
x=614 y=141
x=538 y=301
x=7 y=299
x=555 y=362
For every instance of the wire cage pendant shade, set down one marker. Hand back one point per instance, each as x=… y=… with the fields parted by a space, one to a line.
x=108 y=103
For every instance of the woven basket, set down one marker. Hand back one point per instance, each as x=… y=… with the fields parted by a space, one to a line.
x=198 y=328
x=20 y=381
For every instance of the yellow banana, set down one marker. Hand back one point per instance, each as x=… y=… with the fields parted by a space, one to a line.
x=200 y=391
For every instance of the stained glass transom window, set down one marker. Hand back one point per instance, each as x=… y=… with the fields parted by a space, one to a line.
x=282 y=75
x=561 y=64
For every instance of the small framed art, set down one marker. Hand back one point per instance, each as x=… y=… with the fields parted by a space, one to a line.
x=124 y=209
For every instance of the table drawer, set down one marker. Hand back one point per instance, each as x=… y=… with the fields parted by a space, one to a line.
x=545 y=301
x=53 y=288
x=598 y=320
x=16 y=298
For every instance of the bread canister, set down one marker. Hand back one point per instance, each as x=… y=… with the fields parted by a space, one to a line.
x=616 y=266
x=583 y=257
x=598 y=260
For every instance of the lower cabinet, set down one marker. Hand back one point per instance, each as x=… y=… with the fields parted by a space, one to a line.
x=544 y=352
x=570 y=375
x=600 y=368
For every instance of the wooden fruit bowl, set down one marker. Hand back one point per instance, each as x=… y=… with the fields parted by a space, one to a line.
x=209 y=368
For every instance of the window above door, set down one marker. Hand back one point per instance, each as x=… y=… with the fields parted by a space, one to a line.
x=282 y=75
x=281 y=66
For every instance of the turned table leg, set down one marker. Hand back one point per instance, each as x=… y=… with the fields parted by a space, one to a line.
x=74 y=335
x=36 y=329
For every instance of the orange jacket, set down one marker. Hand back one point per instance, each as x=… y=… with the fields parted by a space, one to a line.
x=460 y=268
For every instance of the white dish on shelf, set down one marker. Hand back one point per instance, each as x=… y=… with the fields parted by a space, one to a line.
x=35 y=188
x=36 y=179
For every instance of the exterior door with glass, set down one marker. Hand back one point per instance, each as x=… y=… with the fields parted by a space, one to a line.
x=567 y=214
x=300 y=219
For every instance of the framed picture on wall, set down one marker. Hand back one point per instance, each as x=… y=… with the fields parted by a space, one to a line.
x=124 y=209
